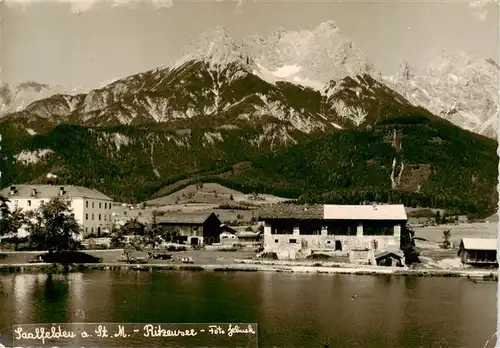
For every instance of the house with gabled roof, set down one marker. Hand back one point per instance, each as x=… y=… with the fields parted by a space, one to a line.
x=92 y=209
x=290 y=229
x=195 y=228
x=478 y=251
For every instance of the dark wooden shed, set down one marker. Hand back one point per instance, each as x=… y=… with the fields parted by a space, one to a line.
x=192 y=226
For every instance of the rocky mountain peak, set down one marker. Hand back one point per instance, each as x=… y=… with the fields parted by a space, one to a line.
x=328 y=27
x=311 y=58
x=460 y=87
x=15 y=97
x=216 y=47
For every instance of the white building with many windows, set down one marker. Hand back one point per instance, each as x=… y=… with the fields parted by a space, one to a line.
x=92 y=209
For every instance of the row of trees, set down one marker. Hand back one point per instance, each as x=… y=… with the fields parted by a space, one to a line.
x=150 y=235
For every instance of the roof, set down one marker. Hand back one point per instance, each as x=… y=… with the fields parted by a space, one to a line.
x=479 y=243
x=387 y=253
x=334 y=212
x=228 y=229
x=292 y=211
x=247 y=234
x=365 y=212
x=183 y=218
x=50 y=191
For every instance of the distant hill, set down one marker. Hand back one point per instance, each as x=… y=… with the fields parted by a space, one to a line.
x=212 y=193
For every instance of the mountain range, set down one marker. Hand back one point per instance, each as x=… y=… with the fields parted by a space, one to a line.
x=228 y=110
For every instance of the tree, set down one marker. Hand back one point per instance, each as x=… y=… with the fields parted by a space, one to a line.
x=117 y=238
x=446 y=238
x=53 y=227
x=438 y=217
x=170 y=234
x=132 y=245
x=128 y=251
x=10 y=221
x=153 y=232
x=133 y=227
x=407 y=245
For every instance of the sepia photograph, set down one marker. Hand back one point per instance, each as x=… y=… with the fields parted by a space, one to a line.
x=249 y=173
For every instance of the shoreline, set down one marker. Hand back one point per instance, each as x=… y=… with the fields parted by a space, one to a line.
x=477 y=274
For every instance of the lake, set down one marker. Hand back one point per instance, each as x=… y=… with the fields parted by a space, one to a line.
x=291 y=310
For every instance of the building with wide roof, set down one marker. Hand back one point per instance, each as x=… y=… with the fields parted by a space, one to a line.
x=92 y=209
x=336 y=228
x=478 y=251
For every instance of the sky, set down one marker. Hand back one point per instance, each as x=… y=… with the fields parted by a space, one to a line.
x=89 y=43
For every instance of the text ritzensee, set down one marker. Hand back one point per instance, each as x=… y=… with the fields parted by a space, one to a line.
x=149 y=330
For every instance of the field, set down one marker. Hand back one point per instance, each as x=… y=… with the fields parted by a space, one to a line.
x=211 y=193
x=466 y=230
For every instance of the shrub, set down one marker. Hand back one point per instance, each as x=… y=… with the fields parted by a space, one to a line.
x=67 y=257
x=269 y=256
x=319 y=257
x=176 y=248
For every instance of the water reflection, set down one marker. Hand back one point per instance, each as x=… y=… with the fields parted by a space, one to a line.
x=292 y=310
x=76 y=298
x=23 y=285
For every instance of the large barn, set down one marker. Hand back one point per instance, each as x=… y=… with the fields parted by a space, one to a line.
x=194 y=228
x=339 y=228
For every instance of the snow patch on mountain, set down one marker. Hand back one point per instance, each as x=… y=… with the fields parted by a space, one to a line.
x=121 y=140
x=281 y=112
x=274 y=135
x=354 y=113
x=209 y=138
x=33 y=157
x=286 y=73
x=182 y=140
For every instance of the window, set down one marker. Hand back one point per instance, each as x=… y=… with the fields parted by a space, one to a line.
x=16 y=202
x=342 y=228
x=86 y=216
x=379 y=228
x=276 y=241
x=99 y=217
x=92 y=205
x=29 y=203
x=104 y=217
x=293 y=241
x=41 y=202
x=91 y=230
x=105 y=205
x=282 y=229
x=86 y=204
x=92 y=216
x=310 y=228
x=99 y=205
